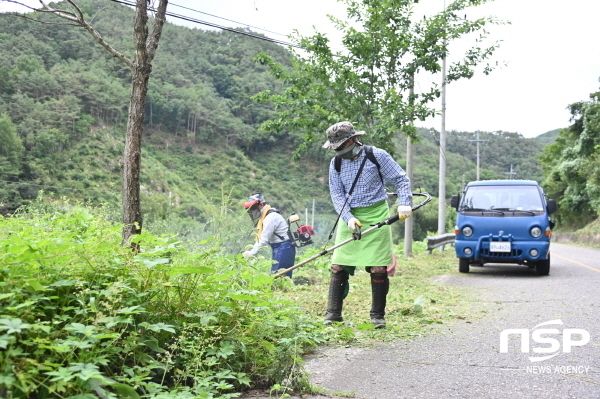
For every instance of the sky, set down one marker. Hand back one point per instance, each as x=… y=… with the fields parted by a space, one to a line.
x=549 y=55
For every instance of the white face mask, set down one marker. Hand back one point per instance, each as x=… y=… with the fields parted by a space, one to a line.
x=352 y=151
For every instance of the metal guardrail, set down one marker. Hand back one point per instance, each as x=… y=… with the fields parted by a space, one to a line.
x=439 y=241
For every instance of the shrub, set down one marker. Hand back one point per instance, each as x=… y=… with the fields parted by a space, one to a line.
x=82 y=315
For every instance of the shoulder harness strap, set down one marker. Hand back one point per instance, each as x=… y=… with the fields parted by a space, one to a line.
x=337 y=163
x=280 y=237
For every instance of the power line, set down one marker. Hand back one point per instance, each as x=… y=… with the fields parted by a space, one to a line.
x=194 y=20
x=216 y=16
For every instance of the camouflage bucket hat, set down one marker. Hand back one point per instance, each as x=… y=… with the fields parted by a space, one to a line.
x=338 y=134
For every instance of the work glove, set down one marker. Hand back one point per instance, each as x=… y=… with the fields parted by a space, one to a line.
x=247 y=254
x=404 y=212
x=353 y=225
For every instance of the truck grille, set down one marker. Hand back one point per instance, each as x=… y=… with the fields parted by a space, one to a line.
x=514 y=253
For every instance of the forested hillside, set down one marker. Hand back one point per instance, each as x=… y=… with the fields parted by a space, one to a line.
x=63 y=105
x=64 y=101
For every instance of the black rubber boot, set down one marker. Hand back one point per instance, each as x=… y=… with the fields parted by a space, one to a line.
x=337 y=286
x=380 y=285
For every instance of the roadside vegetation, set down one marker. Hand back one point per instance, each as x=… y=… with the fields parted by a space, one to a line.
x=571 y=167
x=82 y=315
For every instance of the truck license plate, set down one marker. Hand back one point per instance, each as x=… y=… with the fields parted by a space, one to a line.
x=500 y=246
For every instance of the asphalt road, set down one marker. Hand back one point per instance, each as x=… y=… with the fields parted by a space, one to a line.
x=466 y=361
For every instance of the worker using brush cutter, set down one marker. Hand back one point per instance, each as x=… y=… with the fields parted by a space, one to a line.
x=273 y=230
x=356 y=183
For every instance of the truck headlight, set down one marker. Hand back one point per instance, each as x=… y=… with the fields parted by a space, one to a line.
x=467 y=231
x=536 y=232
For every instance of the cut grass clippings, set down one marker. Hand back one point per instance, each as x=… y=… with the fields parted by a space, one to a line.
x=416 y=302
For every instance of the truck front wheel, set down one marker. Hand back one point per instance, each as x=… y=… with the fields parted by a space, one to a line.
x=543 y=267
x=463 y=265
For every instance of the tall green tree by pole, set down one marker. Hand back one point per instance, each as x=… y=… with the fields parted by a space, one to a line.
x=141 y=66
x=572 y=166
x=368 y=81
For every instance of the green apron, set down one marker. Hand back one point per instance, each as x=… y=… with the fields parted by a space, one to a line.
x=375 y=248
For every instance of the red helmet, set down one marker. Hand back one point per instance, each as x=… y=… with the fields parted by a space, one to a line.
x=253 y=200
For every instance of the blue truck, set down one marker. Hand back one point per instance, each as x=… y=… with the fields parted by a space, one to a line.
x=503 y=221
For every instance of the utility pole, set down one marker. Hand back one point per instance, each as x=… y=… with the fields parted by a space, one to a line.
x=511 y=173
x=408 y=223
x=477 y=141
x=442 y=178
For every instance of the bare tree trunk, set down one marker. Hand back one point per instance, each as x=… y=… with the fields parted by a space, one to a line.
x=132 y=156
x=195 y=124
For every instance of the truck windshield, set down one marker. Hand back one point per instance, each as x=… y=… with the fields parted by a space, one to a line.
x=506 y=198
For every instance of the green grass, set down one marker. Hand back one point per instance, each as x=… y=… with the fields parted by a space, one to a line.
x=416 y=303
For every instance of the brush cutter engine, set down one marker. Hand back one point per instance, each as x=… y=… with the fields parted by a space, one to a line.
x=300 y=234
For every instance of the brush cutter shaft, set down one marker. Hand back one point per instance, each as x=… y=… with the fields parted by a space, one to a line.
x=387 y=221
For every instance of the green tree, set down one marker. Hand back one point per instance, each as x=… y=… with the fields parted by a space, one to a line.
x=49 y=143
x=572 y=166
x=11 y=149
x=369 y=82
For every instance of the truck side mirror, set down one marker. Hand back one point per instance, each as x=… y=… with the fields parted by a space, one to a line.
x=551 y=206
x=454 y=201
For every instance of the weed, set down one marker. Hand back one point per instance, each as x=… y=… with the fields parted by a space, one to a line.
x=82 y=315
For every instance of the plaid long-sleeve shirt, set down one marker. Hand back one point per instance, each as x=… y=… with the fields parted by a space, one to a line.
x=369 y=189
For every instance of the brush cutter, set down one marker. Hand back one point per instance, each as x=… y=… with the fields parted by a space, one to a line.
x=356 y=236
